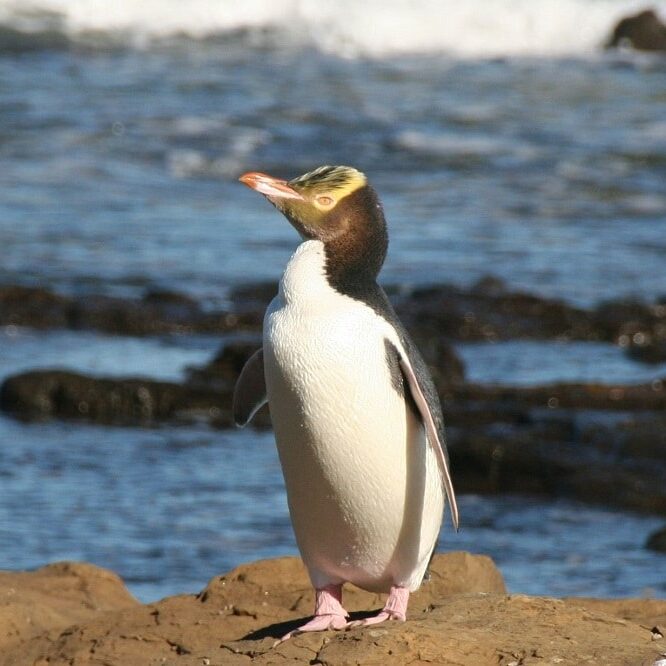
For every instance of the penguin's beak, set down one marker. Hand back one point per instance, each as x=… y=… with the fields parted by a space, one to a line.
x=274 y=188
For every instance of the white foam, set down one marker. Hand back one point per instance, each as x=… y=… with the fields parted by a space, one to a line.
x=373 y=28
x=187 y=163
x=452 y=144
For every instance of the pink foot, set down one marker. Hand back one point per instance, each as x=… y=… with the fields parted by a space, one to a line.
x=395 y=608
x=329 y=613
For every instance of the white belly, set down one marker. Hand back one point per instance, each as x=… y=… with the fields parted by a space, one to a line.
x=363 y=486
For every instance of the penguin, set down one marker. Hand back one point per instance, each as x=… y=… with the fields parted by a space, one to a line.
x=357 y=420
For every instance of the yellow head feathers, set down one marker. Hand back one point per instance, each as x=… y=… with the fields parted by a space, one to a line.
x=337 y=180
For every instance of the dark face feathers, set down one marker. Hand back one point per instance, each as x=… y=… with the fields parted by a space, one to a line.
x=356 y=239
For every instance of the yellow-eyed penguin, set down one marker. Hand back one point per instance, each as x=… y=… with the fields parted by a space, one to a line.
x=357 y=420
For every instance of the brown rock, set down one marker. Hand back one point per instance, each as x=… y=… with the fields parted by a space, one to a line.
x=612 y=460
x=54 y=393
x=643 y=31
x=649 y=352
x=648 y=612
x=284 y=583
x=618 y=397
x=445 y=365
x=487 y=311
x=55 y=597
x=225 y=368
x=156 y=313
x=237 y=618
x=657 y=541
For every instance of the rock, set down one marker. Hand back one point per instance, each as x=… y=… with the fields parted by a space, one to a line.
x=156 y=313
x=643 y=31
x=55 y=597
x=254 y=295
x=619 y=397
x=16 y=41
x=657 y=541
x=602 y=458
x=487 y=311
x=626 y=322
x=55 y=393
x=462 y=616
x=221 y=375
x=648 y=612
x=285 y=584
x=445 y=365
x=225 y=368
x=32 y=306
x=648 y=352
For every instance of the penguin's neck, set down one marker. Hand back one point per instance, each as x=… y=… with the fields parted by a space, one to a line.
x=305 y=279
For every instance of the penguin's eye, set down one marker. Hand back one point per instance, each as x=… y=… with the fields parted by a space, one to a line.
x=324 y=201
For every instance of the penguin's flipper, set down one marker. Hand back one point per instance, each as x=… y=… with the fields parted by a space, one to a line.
x=431 y=431
x=250 y=389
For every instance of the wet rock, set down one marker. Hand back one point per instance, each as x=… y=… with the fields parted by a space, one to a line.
x=32 y=306
x=601 y=458
x=156 y=313
x=225 y=368
x=445 y=365
x=626 y=322
x=643 y=31
x=253 y=296
x=222 y=373
x=490 y=313
x=620 y=397
x=487 y=311
x=657 y=540
x=650 y=352
x=15 y=41
x=460 y=617
x=68 y=395
x=55 y=597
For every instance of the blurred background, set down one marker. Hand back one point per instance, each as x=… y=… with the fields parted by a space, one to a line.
x=519 y=148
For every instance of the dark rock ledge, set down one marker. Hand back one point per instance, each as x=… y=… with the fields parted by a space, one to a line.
x=487 y=311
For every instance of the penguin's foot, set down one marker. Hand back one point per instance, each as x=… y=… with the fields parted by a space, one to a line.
x=395 y=608
x=329 y=613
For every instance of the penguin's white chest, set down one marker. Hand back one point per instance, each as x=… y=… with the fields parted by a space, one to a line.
x=363 y=486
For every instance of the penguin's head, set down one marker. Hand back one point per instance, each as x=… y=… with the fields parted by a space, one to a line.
x=335 y=205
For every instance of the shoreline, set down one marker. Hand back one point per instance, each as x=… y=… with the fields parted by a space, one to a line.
x=76 y=613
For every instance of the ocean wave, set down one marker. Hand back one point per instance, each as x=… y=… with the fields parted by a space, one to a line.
x=376 y=28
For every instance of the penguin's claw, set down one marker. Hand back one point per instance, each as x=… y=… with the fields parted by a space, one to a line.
x=329 y=613
x=317 y=623
x=394 y=609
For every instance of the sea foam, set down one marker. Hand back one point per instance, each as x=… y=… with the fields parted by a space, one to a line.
x=375 y=28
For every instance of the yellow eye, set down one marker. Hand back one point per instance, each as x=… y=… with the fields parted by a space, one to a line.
x=324 y=201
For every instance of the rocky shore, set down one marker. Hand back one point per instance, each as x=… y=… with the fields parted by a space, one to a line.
x=602 y=443
x=73 y=614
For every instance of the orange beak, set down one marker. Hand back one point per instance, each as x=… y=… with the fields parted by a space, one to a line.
x=269 y=186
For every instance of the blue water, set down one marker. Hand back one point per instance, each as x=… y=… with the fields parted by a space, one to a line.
x=119 y=167
x=170 y=508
